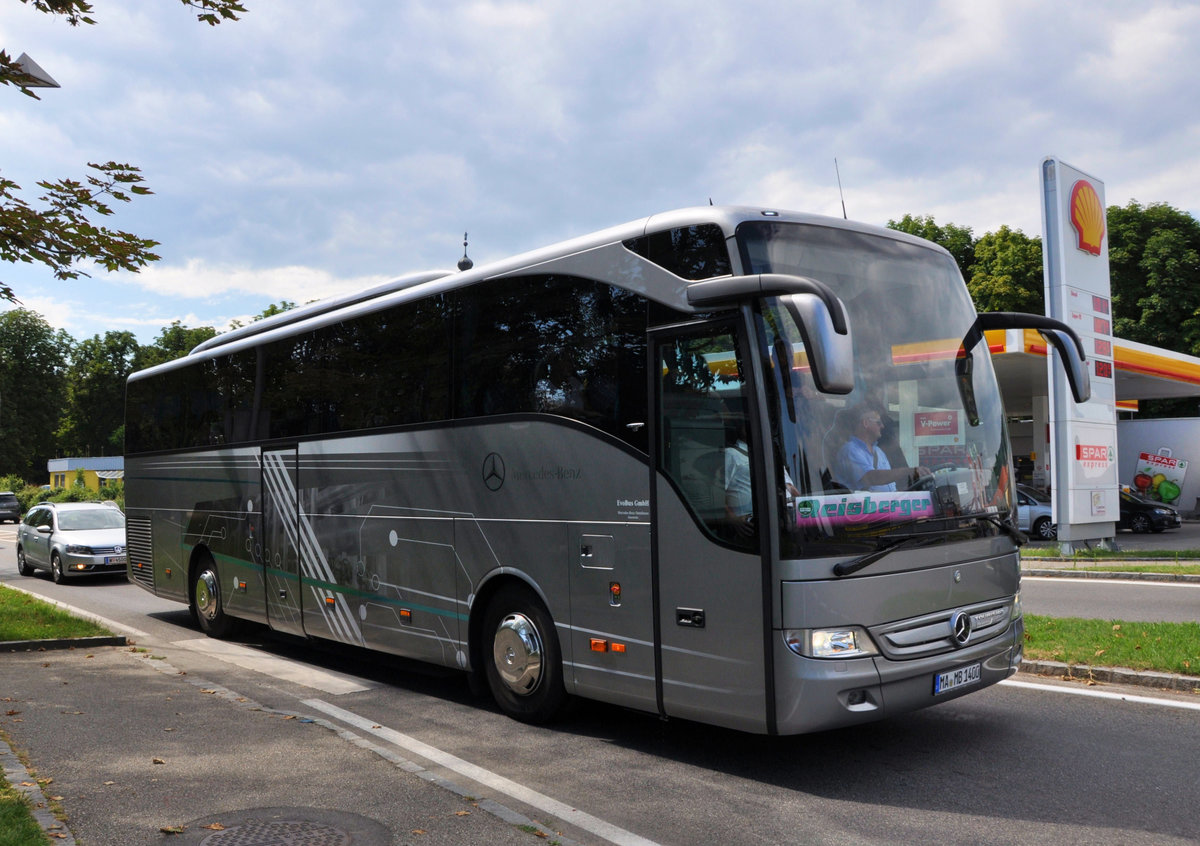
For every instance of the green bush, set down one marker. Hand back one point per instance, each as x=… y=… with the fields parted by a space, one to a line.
x=30 y=495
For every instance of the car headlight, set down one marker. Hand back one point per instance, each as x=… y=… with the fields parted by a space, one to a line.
x=848 y=642
x=77 y=549
x=1162 y=512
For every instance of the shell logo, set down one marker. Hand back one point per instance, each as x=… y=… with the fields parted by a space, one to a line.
x=1087 y=216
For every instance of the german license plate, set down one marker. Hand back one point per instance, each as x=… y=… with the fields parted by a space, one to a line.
x=114 y=559
x=963 y=676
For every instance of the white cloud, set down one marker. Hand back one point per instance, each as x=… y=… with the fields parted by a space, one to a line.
x=199 y=280
x=331 y=145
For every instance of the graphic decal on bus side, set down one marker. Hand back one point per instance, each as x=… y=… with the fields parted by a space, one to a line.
x=314 y=567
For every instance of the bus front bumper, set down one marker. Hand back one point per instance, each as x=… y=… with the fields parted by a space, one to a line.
x=814 y=695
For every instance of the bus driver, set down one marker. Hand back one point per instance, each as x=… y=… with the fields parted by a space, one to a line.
x=862 y=465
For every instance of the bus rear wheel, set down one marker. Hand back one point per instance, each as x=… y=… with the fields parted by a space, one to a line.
x=523 y=659
x=206 y=600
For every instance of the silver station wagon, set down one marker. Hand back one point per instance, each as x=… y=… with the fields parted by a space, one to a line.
x=71 y=538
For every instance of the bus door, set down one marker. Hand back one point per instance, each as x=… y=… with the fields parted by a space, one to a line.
x=279 y=540
x=707 y=516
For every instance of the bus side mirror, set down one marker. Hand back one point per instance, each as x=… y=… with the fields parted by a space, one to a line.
x=1058 y=334
x=817 y=310
x=1073 y=362
x=830 y=353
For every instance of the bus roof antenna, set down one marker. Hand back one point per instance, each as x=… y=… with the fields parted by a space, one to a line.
x=465 y=263
x=840 y=194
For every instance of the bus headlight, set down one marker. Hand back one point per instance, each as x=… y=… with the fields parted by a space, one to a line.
x=1016 y=606
x=850 y=642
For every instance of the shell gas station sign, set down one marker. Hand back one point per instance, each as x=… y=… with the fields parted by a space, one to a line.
x=1083 y=436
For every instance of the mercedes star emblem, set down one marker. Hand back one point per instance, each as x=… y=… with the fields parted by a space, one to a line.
x=493 y=471
x=960 y=627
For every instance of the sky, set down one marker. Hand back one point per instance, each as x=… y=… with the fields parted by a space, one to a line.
x=317 y=147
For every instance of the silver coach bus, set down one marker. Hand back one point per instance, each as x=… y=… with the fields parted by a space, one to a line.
x=615 y=468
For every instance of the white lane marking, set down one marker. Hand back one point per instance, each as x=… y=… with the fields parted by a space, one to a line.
x=1111 y=582
x=520 y=792
x=129 y=631
x=335 y=684
x=1103 y=694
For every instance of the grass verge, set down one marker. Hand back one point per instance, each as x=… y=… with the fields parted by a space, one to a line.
x=1113 y=554
x=23 y=617
x=1161 y=647
x=17 y=825
x=1168 y=567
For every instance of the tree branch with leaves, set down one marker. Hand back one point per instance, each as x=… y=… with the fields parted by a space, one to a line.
x=59 y=229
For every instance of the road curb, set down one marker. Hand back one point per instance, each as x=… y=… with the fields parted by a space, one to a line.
x=62 y=643
x=1056 y=573
x=1112 y=675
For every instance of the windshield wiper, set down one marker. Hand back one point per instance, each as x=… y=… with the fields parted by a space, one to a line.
x=845 y=568
x=1009 y=529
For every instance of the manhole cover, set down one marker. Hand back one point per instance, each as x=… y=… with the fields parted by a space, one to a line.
x=284 y=827
x=279 y=833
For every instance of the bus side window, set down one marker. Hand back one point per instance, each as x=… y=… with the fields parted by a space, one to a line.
x=704 y=448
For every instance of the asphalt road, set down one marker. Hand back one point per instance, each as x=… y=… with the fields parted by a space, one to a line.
x=1030 y=761
x=1105 y=599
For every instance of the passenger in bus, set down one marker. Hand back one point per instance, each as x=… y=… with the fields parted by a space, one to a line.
x=739 y=504
x=862 y=465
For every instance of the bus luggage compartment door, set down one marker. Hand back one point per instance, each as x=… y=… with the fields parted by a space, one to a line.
x=612 y=613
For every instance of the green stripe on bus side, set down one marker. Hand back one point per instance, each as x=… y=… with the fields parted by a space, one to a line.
x=374 y=597
x=333 y=587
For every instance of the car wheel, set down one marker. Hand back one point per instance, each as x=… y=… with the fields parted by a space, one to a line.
x=56 y=570
x=524 y=663
x=1140 y=524
x=1043 y=529
x=22 y=565
x=206 y=606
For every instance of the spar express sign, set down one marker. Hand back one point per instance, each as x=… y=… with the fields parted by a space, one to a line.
x=1097 y=457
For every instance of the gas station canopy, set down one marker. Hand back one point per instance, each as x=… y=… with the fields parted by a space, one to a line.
x=1141 y=371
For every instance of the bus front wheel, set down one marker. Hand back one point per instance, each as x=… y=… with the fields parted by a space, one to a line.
x=523 y=661
x=206 y=601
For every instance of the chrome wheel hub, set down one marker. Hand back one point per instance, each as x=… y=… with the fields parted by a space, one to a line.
x=206 y=595
x=517 y=653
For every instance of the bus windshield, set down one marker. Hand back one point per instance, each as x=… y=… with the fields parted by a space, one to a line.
x=920 y=440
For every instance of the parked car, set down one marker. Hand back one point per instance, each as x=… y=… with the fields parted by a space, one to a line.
x=10 y=508
x=71 y=538
x=1034 y=515
x=1142 y=515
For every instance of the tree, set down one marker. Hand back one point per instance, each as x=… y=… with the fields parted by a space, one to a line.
x=1007 y=274
x=32 y=363
x=1154 y=265
x=93 y=421
x=270 y=311
x=174 y=341
x=59 y=228
x=958 y=240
